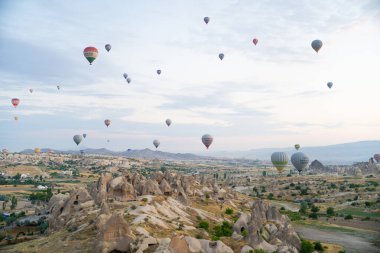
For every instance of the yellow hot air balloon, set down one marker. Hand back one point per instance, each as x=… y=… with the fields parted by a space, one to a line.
x=37 y=150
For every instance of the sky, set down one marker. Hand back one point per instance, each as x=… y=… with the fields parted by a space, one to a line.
x=273 y=94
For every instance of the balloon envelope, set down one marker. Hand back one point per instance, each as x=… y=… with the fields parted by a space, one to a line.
x=156 y=143
x=31 y=90
x=159 y=71
x=15 y=102
x=316 y=45
x=168 y=122
x=129 y=80
x=255 y=41
x=221 y=56
x=125 y=75
x=297 y=146
x=108 y=47
x=16 y=118
x=206 y=20
x=207 y=140
x=107 y=122
x=84 y=135
x=299 y=161
x=37 y=150
x=58 y=87
x=90 y=53
x=279 y=160
x=77 y=139
x=329 y=84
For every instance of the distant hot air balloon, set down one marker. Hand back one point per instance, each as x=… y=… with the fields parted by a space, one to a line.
x=16 y=118
x=90 y=53
x=255 y=41
x=15 y=102
x=299 y=161
x=297 y=146
x=50 y=151
x=58 y=87
x=221 y=56
x=207 y=140
x=107 y=122
x=316 y=45
x=168 y=122
x=156 y=143
x=129 y=80
x=125 y=76
x=77 y=139
x=279 y=160
x=377 y=157
x=206 y=20
x=31 y=90
x=81 y=152
x=108 y=47
x=108 y=140
x=159 y=71
x=37 y=150
x=84 y=135
x=329 y=84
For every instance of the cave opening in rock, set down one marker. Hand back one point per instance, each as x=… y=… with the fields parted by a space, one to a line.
x=242 y=229
x=61 y=210
x=76 y=202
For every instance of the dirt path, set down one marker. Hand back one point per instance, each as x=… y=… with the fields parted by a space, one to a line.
x=352 y=242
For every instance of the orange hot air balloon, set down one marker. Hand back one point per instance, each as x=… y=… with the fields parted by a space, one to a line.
x=15 y=102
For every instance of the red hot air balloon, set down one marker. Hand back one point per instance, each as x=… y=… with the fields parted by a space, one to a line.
x=255 y=41
x=15 y=102
x=107 y=122
x=90 y=53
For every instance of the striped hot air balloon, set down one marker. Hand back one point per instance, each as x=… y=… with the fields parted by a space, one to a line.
x=90 y=53
x=207 y=140
x=279 y=160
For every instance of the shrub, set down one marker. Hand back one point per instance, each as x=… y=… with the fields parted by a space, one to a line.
x=313 y=216
x=259 y=251
x=306 y=247
x=223 y=230
x=330 y=211
x=318 y=246
x=282 y=208
x=204 y=225
x=314 y=209
x=348 y=217
x=229 y=211
x=145 y=200
x=244 y=233
x=270 y=196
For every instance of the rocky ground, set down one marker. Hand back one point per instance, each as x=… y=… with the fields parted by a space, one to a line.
x=161 y=213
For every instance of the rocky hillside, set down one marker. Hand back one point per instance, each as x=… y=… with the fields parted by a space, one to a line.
x=165 y=212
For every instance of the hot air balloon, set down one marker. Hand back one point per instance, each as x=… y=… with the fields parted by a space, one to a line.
x=316 y=45
x=15 y=102
x=159 y=71
x=207 y=140
x=377 y=157
x=108 y=140
x=125 y=76
x=84 y=135
x=279 y=160
x=37 y=150
x=108 y=47
x=168 y=122
x=107 y=122
x=58 y=87
x=129 y=80
x=90 y=53
x=77 y=139
x=299 y=161
x=255 y=41
x=81 y=152
x=156 y=143
x=297 y=146
x=206 y=20
x=31 y=90
x=221 y=56
x=16 y=118
x=329 y=84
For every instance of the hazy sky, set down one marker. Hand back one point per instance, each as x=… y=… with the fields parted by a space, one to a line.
x=270 y=95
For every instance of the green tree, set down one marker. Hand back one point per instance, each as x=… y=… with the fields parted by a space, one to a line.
x=318 y=246
x=330 y=211
x=348 y=217
x=306 y=247
x=229 y=211
x=314 y=209
x=270 y=196
x=303 y=208
x=204 y=225
x=13 y=202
